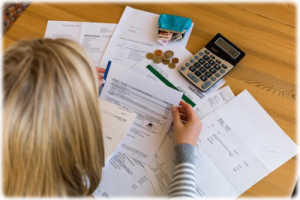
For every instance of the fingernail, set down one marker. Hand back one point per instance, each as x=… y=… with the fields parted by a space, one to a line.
x=174 y=108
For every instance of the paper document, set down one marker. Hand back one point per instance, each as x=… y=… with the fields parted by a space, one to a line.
x=214 y=101
x=238 y=146
x=116 y=122
x=174 y=76
x=124 y=176
x=134 y=37
x=94 y=37
x=160 y=171
x=151 y=101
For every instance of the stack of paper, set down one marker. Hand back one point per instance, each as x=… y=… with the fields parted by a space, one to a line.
x=238 y=146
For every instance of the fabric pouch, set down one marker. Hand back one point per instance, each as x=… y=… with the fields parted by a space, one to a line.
x=174 y=24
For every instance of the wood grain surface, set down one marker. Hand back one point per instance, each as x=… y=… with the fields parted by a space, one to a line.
x=265 y=32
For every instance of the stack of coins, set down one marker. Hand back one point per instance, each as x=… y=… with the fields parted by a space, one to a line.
x=166 y=58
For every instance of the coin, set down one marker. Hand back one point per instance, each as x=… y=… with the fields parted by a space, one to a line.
x=158 y=52
x=150 y=56
x=169 y=54
x=165 y=58
x=157 y=59
x=165 y=62
x=172 y=65
x=175 y=60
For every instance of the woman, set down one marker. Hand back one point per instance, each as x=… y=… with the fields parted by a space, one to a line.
x=52 y=137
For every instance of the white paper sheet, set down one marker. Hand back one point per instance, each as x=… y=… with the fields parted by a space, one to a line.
x=135 y=36
x=239 y=145
x=214 y=101
x=174 y=76
x=160 y=171
x=124 y=176
x=150 y=100
x=94 y=37
x=116 y=122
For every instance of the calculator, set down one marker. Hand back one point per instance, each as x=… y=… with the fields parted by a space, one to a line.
x=211 y=63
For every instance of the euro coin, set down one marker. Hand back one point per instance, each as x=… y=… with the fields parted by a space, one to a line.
x=169 y=54
x=165 y=58
x=165 y=62
x=157 y=59
x=175 y=60
x=172 y=65
x=150 y=56
x=158 y=52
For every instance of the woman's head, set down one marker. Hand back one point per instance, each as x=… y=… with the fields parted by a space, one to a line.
x=52 y=137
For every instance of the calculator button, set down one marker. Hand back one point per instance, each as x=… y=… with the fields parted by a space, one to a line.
x=212 y=70
x=183 y=68
x=192 y=60
x=207 y=66
x=222 y=71
x=206 y=57
x=217 y=67
x=201 y=61
x=219 y=62
x=206 y=84
x=224 y=66
x=197 y=73
x=187 y=64
x=201 y=53
x=218 y=75
x=211 y=62
x=207 y=52
x=197 y=65
x=202 y=69
x=196 y=57
x=194 y=78
x=207 y=74
x=212 y=57
x=203 y=78
x=213 y=78
x=192 y=68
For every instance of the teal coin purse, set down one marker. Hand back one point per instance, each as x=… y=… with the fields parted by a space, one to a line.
x=174 y=24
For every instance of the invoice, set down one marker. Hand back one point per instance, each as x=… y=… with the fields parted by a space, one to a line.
x=151 y=101
x=135 y=36
x=116 y=122
x=94 y=37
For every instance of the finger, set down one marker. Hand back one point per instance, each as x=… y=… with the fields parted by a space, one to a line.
x=189 y=109
x=183 y=117
x=100 y=70
x=182 y=110
x=100 y=76
x=176 y=116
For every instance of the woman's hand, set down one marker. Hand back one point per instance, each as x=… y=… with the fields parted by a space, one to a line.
x=100 y=72
x=187 y=125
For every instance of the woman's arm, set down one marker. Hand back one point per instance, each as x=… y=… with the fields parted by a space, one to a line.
x=187 y=127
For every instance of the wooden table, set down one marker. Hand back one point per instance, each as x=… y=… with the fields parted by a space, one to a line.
x=266 y=32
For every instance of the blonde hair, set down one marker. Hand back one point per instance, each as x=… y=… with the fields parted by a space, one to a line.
x=52 y=136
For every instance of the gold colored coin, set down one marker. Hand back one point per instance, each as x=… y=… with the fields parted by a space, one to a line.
x=165 y=58
x=172 y=65
x=169 y=54
x=165 y=62
x=150 y=56
x=158 y=52
x=157 y=59
x=175 y=60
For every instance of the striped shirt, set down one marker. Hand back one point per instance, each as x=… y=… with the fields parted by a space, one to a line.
x=184 y=177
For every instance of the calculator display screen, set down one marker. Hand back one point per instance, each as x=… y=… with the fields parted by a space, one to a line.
x=227 y=48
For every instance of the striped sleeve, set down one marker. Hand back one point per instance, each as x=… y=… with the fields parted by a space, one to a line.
x=184 y=177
